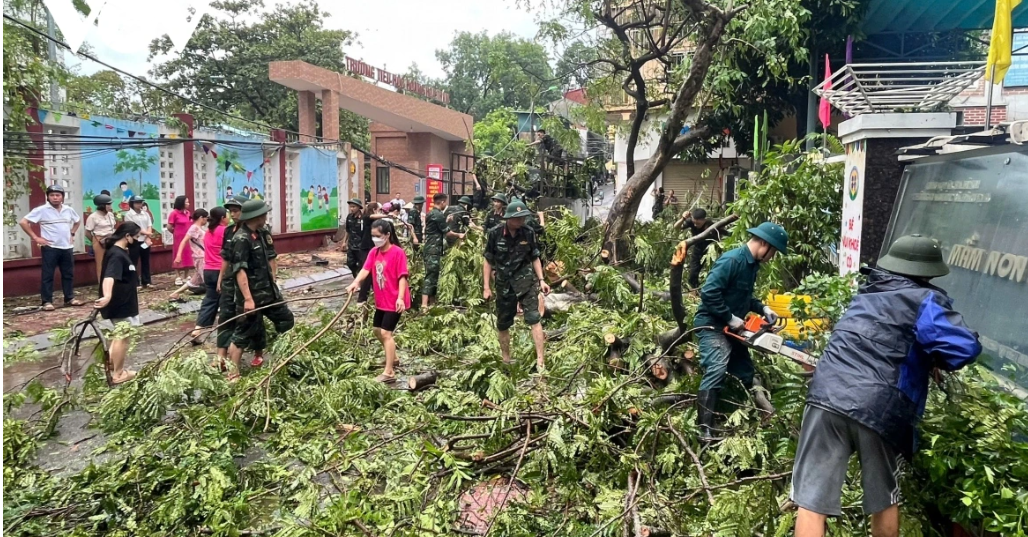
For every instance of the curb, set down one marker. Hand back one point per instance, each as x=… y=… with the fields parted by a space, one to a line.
x=42 y=341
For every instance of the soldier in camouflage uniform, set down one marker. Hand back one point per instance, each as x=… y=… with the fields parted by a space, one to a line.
x=437 y=231
x=227 y=284
x=416 y=221
x=511 y=253
x=253 y=268
x=458 y=217
x=354 y=235
x=495 y=216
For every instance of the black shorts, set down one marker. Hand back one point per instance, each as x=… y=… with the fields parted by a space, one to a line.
x=386 y=320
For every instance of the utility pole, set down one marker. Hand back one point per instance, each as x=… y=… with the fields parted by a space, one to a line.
x=51 y=47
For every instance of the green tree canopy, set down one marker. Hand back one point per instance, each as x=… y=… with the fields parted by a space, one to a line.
x=484 y=73
x=225 y=64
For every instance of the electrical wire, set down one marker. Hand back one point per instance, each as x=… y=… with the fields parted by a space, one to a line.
x=194 y=102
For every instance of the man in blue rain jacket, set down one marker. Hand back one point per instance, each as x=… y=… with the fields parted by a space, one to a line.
x=869 y=391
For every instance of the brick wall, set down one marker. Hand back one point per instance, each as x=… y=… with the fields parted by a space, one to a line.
x=975 y=115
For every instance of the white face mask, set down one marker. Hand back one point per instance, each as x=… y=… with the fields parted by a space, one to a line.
x=379 y=241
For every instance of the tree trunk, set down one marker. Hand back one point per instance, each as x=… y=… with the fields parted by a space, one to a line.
x=422 y=381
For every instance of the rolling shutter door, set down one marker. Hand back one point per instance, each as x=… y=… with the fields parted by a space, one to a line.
x=687 y=180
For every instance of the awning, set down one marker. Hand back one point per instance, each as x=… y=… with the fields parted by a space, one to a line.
x=894 y=16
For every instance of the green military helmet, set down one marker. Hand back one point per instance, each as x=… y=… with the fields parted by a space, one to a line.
x=914 y=255
x=517 y=209
x=235 y=201
x=464 y=200
x=254 y=208
x=419 y=199
x=101 y=200
x=500 y=198
x=772 y=234
x=356 y=202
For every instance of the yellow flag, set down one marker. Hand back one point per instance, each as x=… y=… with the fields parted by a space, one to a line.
x=1000 y=44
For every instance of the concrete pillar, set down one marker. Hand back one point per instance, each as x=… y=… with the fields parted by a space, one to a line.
x=308 y=119
x=329 y=115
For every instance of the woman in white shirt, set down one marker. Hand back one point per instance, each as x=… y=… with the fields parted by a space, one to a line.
x=139 y=250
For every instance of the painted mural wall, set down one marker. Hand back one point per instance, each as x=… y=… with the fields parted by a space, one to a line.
x=239 y=169
x=319 y=189
x=123 y=172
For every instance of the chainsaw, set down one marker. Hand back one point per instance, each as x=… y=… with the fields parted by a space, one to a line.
x=763 y=336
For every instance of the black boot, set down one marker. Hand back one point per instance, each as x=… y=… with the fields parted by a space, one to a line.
x=705 y=403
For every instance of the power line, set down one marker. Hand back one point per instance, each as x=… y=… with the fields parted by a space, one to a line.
x=194 y=102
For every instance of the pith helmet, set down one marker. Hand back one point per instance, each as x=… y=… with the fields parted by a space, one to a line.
x=516 y=209
x=419 y=199
x=235 y=201
x=464 y=200
x=914 y=255
x=772 y=234
x=101 y=200
x=254 y=208
x=500 y=198
x=356 y=202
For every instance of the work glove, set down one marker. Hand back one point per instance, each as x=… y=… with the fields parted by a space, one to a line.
x=735 y=323
x=770 y=315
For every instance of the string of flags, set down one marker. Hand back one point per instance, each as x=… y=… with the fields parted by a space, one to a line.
x=208 y=148
x=57 y=116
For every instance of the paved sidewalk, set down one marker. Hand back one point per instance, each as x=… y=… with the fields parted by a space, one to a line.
x=42 y=341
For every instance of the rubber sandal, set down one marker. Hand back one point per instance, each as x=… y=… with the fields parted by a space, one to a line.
x=75 y=302
x=233 y=378
x=385 y=379
x=127 y=376
x=47 y=307
x=257 y=361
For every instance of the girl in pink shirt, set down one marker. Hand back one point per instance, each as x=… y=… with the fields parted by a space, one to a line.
x=387 y=266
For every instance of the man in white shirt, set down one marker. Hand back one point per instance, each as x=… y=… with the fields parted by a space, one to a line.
x=139 y=250
x=58 y=224
x=398 y=201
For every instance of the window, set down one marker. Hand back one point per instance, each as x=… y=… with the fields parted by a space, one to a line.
x=382 y=180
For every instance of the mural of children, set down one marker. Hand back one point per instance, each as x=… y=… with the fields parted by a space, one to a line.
x=126 y=195
x=228 y=193
x=310 y=199
x=319 y=197
x=246 y=192
x=325 y=192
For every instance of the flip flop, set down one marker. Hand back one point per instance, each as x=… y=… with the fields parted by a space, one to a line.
x=47 y=307
x=127 y=375
x=385 y=379
x=233 y=378
x=75 y=302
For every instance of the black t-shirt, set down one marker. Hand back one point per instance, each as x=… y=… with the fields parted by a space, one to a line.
x=700 y=248
x=366 y=243
x=124 y=301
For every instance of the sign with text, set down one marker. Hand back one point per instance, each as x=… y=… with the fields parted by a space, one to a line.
x=852 y=207
x=434 y=180
x=399 y=82
x=972 y=202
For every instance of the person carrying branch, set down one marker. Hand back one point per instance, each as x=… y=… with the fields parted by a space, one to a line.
x=871 y=384
x=726 y=298
x=437 y=230
x=386 y=266
x=696 y=222
x=512 y=255
x=253 y=266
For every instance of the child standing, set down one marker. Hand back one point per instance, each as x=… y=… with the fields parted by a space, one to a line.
x=194 y=241
x=387 y=266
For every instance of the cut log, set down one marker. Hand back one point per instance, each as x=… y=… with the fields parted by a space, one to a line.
x=422 y=381
x=616 y=348
x=667 y=341
x=660 y=367
x=562 y=302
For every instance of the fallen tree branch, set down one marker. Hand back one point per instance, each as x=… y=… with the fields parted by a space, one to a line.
x=513 y=476
x=743 y=481
x=695 y=460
